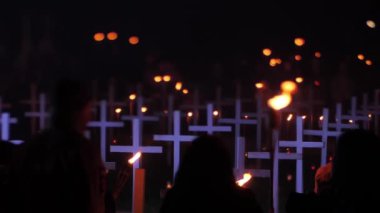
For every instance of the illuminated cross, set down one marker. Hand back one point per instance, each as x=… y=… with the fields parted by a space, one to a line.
x=209 y=128
x=176 y=138
x=103 y=124
x=5 y=122
x=41 y=114
x=324 y=133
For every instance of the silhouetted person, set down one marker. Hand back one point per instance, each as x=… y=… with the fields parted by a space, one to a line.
x=6 y=154
x=61 y=171
x=205 y=182
x=356 y=177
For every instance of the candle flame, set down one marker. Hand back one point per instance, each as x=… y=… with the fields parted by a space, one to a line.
x=135 y=157
x=289 y=118
x=259 y=85
x=246 y=177
x=118 y=110
x=279 y=102
x=321 y=118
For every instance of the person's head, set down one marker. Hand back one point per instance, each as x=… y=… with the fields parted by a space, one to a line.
x=71 y=106
x=323 y=179
x=356 y=160
x=207 y=163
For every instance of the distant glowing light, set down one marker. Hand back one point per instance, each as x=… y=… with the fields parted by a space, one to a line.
x=318 y=54
x=317 y=83
x=289 y=118
x=369 y=115
x=114 y=141
x=132 y=96
x=112 y=36
x=169 y=185
x=298 y=57
x=299 y=42
x=166 y=111
x=167 y=78
x=134 y=158
x=361 y=57
x=279 y=102
x=289 y=177
x=190 y=114
x=246 y=177
x=288 y=87
x=245 y=116
x=215 y=113
x=351 y=121
x=259 y=85
x=99 y=37
x=134 y=40
x=278 y=60
x=321 y=118
x=371 y=24
x=118 y=110
x=267 y=52
x=299 y=80
x=185 y=91
x=368 y=62
x=178 y=86
x=303 y=117
x=144 y=109
x=313 y=167
x=272 y=62
x=331 y=158
x=157 y=79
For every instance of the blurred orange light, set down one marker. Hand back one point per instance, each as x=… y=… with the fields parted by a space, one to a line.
x=99 y=37
x=118 y=110
x=317 y=54
x=272 y=62
x=215 y=113
x=299 y=42
x=144 y=109
x=134 y=158
x=167 y=78
x=267 y=52
x=371 y=24
x=298 y=57
x=134 y=40
x=279 y=102
x=190 y=114
x=132 y=96
x=178 y=86
x=157 y=79
x=259 y=85
x=299 y=80
x=361 y=57
x=317 y=83
x=368 y=62
x=112 y=36
x=246 y=177
x=288 y=87
x=185 y=91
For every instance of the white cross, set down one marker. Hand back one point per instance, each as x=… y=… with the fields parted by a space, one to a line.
x=103 y=124
x=5 y=122
x=136 y=147
x=41 y=114
x=325 y=133
x=176 y=138
x=354 y=116
x=209 y=128
x=339 y=126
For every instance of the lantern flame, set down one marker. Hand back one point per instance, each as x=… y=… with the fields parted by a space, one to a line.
x=246 y=177
x=135 y=157
x=289 y=118
x=279 y=102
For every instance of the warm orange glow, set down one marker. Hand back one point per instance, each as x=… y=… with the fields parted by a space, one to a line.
x=317 y=83
x=259 y=85
x=272 y=62
x=167 y=78
x=317 y=54
x=134 y=40
x=369 y=115
x=215 y=113
x=99 y=37
x=267 y=52
x=157 y=79
x=298 y=57
x=361 y=57
x=299 y=42
x=289 y=177
x=279 y=102
x=288 y=87
x=368 y=62
x=371 y=24
x=118 y=110
x=144 y=109
x=185 y=91
x=289 y=118
x=190 y=114
x=246 y=177
x=303 y=117
x=169 y=185
x=178 y=86
x=278 y=61
x=350 y=121
x=112 y=36
x=321 y=118
x=134 y=158
x=132 y=96
x=245 y=116
x=299 y=80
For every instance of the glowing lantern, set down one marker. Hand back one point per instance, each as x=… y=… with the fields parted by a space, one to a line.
x=167 y=78
x=134 y=40
x=280 y=101
x=144 y=109
x=132 y=96
x=267 y=52
x=289 y=118
x=178 y=86
x=368 y=62
x=288 y=87
x=215 y=113
x=134 y=158
x=272 y=62
x=99 y=37
x=298 y=57
x=361 y=57
x=371 y=24
x=246 y=177
x=118 y=110
x=299 y=42
x=317 y=54
x=185 y=91
x=112 y=36
x=299 y=80
x=259 y=85
x=190 y=114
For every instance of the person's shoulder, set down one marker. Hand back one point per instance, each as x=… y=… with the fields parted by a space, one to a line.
x=247 y=199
